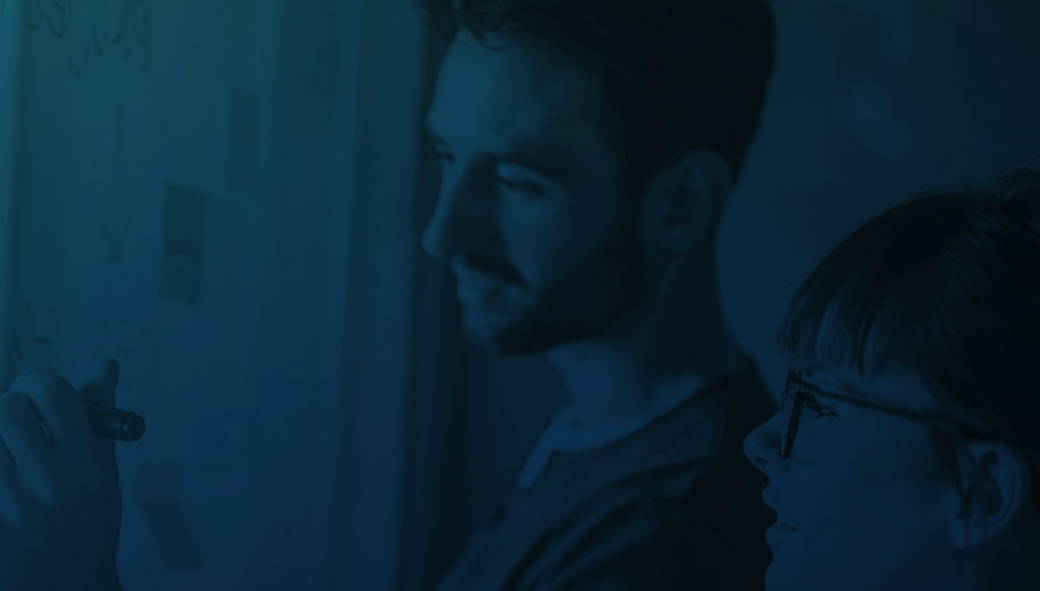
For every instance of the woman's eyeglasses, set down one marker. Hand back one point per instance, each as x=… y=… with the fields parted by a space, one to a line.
x=797 y=392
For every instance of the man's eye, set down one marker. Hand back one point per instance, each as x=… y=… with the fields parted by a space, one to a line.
x=818 y=408
x=508 y=183
x=519 y=185
x=444 y=156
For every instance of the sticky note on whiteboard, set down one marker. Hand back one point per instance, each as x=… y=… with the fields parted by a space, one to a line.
x=184 y=229
x=155 y=486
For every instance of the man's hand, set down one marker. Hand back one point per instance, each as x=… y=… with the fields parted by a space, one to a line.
x=60 y=503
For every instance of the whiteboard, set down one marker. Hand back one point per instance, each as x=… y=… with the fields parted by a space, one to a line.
x=184 y=204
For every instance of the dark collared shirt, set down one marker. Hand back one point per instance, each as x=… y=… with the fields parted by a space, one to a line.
x=673 y=504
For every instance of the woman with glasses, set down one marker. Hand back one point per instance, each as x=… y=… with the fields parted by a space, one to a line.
x=905 y=452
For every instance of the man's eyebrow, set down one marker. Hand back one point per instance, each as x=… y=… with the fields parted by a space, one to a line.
x=552 y=173
x=507 y=156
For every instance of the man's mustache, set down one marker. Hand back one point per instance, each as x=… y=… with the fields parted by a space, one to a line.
x=469 y=265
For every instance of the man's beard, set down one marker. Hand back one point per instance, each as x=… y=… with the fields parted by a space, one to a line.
x=591 y=298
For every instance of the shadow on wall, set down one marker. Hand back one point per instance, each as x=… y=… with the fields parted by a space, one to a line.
x=871 y=102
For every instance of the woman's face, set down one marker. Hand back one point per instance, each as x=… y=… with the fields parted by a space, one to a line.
x=863 y=500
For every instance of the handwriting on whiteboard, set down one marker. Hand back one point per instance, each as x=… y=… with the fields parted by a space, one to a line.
x=63 y=341
x=90 y=27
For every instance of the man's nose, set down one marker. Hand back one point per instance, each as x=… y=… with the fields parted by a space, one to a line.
x=463 y=222
x=762 y=446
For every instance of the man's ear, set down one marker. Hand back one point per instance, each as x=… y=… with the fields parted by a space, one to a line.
x=683 y=202
x=996 y=486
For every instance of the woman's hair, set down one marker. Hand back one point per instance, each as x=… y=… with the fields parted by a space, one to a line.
x=946 y=285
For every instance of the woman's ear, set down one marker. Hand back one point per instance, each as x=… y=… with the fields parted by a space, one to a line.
x=996 y=485
x=683 y=202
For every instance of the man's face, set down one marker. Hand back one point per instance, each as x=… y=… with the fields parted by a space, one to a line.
x=531 y=214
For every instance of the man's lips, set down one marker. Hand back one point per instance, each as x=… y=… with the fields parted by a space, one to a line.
x=475 y=271
x=477 y=284
x=477 y=281
x=476 y=292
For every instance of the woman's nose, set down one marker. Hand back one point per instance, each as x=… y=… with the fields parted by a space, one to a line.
x=762 y=446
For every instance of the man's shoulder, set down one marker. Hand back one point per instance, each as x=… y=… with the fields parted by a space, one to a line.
x=673 y=526
x=682 y=517
x=687 y=469
x=675 y=502
x=703 y=434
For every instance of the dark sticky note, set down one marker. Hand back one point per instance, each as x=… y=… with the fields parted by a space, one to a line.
x=184 y=230
x=155 y=486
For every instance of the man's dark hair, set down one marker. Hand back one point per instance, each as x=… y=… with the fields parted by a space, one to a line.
x=676 y=73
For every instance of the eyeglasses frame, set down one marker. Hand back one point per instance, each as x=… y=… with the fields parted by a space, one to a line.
x=790 y=428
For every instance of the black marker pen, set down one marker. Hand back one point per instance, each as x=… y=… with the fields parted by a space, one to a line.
x=114 y=423
x=109 y=422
